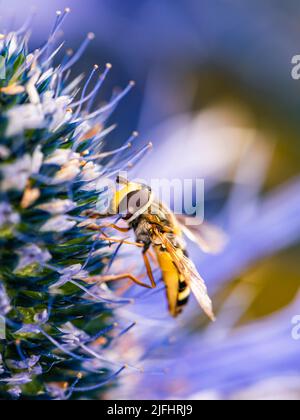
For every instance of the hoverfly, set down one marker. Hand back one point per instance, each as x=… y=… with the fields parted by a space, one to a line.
x=157 y=229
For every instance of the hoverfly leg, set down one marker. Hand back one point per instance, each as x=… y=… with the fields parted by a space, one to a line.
x=94 y=215
x=109 y=278
x=119 y=241
x=149 y=270
x=94 y=226
x=152 y=256
x=118 y=228
x=105 y=238
x=162 y=226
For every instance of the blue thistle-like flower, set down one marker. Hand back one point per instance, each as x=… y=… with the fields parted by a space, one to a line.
x=51 y=160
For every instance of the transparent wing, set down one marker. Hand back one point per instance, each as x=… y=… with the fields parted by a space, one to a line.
x=199 y=289
x=186 y=267
x=208 y=237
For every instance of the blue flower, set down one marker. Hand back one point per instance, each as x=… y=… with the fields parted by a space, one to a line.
x=52 y=160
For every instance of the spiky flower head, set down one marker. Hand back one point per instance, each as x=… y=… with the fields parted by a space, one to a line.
x=54 y=324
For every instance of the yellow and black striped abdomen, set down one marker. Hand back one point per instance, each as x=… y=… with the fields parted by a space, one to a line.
x=178 y=291
x=183 y=292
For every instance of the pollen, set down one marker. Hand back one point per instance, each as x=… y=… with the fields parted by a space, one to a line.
x=102 y=341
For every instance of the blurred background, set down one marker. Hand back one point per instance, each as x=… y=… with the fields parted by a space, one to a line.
x=214 y=93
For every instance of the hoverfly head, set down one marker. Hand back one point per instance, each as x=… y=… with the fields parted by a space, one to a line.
x=131 y=200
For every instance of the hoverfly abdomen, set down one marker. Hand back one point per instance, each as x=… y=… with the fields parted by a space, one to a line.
x=184 y=292
x=177 y=289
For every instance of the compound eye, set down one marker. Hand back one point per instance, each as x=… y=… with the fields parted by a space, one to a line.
x=138 y=200
x=134 y=202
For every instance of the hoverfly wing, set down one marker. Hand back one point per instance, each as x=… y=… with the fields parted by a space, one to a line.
x=186 y=267
x=199 y=289
x=210 y=238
